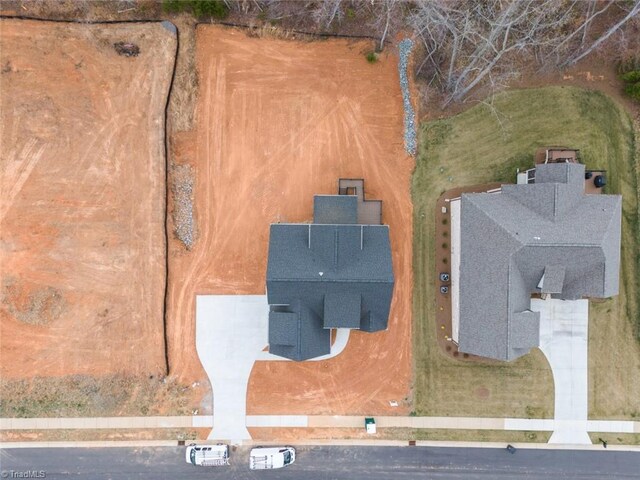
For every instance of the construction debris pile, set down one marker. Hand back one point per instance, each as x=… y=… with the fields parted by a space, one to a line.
x=127 y=49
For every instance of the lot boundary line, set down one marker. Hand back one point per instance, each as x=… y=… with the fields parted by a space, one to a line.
x=84 y=22
x=636 y=150
x=166 y=195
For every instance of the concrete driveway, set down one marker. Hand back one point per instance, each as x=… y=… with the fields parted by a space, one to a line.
x=564 y=339
x=231 y=333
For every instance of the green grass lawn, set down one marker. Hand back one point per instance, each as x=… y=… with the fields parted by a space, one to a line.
x=454 y=435
x=616 y=438
x=474 y=147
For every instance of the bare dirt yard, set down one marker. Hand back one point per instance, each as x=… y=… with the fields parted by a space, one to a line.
x=277 y=122
x=82 y=182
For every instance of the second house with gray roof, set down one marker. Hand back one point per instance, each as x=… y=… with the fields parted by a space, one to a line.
x=547 y=238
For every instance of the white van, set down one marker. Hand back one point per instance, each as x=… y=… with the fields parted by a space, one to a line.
x=208 y=455
x=263 y=458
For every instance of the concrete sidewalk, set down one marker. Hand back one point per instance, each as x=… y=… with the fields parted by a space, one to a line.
x=446 y=423
x=311 y=421
x=116 y=423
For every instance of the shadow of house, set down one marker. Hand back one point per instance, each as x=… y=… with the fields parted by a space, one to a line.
x=333 y=273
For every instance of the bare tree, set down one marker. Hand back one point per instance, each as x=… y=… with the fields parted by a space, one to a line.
x=383 y=17
x=388 y=6
x=466 y=41
x=634 y=11
x=479 y=36
x=293 y=13
x=560 y=50
x=474 y=43
x=325 y=12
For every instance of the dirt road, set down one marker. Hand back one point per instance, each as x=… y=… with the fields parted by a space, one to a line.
x=82 y=198
x=277 y=122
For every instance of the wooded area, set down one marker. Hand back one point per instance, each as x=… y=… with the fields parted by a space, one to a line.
x=473 y=43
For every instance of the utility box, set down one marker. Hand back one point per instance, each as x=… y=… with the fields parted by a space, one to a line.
x=370 y=425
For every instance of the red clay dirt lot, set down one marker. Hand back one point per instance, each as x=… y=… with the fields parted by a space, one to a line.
x=82 y=198
x=277 y=122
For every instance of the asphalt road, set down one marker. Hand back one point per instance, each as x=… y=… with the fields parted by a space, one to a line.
x=325 y=463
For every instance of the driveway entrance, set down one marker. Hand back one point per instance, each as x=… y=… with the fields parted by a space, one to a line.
x=564 y=339
x=231 y=334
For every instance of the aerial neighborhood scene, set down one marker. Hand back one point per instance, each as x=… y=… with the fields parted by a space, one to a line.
x=337 y=238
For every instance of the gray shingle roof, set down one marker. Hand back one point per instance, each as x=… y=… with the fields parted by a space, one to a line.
x=524 y=331
x=283 y=328
x=333 y=273
x=310 y=338
x=342 y=310
x=510 y=239
x=562 y=173
x=552 y=279
x=329 y=253
x=309 y=262
x=335 y=209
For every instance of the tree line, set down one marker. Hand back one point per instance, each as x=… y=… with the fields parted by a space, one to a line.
x=468 y=44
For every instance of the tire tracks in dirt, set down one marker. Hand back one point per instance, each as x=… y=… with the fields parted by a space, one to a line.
x=265 y=145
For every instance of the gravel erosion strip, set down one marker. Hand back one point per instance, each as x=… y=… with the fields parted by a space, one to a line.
x=183 y=204
x=410 y=143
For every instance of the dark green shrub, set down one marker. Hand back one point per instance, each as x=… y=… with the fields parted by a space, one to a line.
x=199 y=8
x=172 y=6
x=631 y=77
x=372 y=57
x=629 y=71
x=631 y=80
x=633 y=90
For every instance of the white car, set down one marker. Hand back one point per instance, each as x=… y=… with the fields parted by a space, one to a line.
x=265 y=458
x=208 y=455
